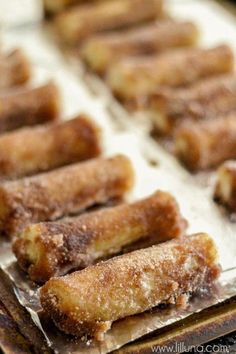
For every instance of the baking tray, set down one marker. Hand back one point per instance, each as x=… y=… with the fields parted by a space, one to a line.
x=127 y=133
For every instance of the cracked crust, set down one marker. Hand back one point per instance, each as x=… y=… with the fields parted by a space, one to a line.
x=48 y=249
x=88 y=301
x=61 y=192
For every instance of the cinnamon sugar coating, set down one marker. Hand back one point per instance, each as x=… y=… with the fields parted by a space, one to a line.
x=206 y=144
x=64 y=191
x=28 y=151
x=202 y=100
x=79 y=22
x=15 y=69
x=54 y=248
x=137 y=77
x=52 y=7
x=101 y=50
x=27 y=107
x=88 y=301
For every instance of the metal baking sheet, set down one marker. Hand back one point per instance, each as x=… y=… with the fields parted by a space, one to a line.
x=155 y=168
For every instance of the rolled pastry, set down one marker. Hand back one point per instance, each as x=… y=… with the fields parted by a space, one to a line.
x=102 y=50
x=55 y=248
x=15 y=69
x=28 y=151
x=79 y=22
x=89 y=301
x=225 y=189
x=61 y=192
x=206 y=144
x=207 y=98
x=136 y=77
x=27 y=107
x=54 y=6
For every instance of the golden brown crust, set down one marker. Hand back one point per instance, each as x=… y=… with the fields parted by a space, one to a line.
x=52 y=7
x=102 y=50
x=88 y=301
x=225 y=188
x=64 y=191
x=76 y=24
x=27 y=107
x=206 y=144
x=207 y=98
x=48 y=249
x=14 y=69
x=28 y=151
x=133 y=78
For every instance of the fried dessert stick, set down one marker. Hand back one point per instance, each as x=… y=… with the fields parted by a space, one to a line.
x=27 y=107
x=225 y=188
x=207 y=98
x=137 y=77
x=61 y=192
x=77 y=23
x=28 y=151
x=206 y=144
x=54 y=6
x=101 y=50
x=89 y=301
x=55 y=248
x=15 y=69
